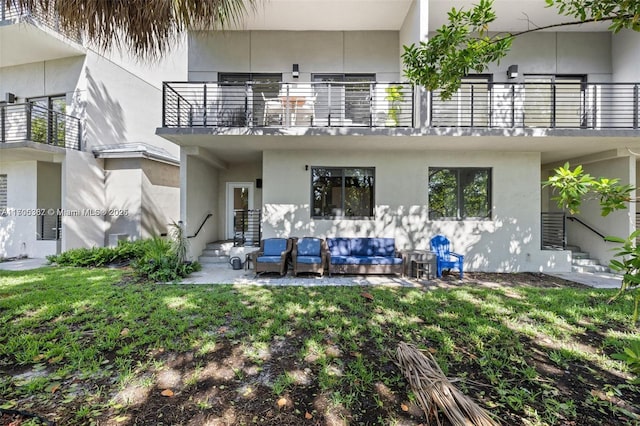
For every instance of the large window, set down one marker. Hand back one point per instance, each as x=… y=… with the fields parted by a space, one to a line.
x=48 y=119
x=342 y=192
x=459 y=193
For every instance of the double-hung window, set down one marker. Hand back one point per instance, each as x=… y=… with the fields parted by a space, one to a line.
x=342 y=192
x=459 y=193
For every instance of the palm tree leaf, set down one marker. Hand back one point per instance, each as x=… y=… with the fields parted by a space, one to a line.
x=145 y=28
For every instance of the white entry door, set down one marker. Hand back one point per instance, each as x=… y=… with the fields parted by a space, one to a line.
x=239 y=197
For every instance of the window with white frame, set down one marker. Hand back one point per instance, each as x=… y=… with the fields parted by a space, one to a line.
x=342 y=192
x=459 y=193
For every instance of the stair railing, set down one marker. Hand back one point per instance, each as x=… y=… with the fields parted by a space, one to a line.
x=589 y=227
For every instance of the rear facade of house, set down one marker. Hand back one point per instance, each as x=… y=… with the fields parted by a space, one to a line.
x=302 y=124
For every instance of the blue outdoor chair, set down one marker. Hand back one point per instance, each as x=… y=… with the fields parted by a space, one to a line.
x=445 y=259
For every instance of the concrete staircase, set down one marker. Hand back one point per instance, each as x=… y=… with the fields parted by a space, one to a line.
x=582 y=262
x=220 y=252
x=216 y=253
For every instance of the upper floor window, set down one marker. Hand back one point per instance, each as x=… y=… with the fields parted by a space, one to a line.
x=459 y=193
x=342 y=192
x=48 y=119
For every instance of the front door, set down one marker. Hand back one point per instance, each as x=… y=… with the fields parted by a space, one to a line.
x=239 y=197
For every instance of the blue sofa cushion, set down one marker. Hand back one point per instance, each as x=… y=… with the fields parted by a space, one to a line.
x=308 y=247
x=339 y=246
x=374 y=260
x=340 y=260
x=274 y=246
x=384 y=246
x=361 y=247
x=309 y=260
x=270 y=259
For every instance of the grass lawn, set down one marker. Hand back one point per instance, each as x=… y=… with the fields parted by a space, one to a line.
x=86 y=346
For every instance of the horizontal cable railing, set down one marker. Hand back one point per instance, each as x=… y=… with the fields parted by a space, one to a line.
x=276 y=104
x=47 y=18
x=30 y=122
x=554 y=230
x=544 y=105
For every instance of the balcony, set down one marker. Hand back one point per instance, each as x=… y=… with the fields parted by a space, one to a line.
x=32 y=123
x=33 y=35
x=277 y=104
x=557 y=105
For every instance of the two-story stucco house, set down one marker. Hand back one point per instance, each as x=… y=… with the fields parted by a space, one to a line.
x=80 y=165
x=302 y=121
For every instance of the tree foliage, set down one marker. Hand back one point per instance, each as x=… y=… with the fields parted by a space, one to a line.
x=574 y=186
x=465 y=43
x=146 y=28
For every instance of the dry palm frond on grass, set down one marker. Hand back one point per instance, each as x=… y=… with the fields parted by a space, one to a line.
x=434 y=391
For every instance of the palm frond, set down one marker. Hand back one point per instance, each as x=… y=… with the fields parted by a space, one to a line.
x=146 y=28
x=435 y=392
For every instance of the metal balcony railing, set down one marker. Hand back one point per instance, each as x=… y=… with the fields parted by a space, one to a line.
x=46 y=18
x=247 y=227
x=30 y=122
x=539 y=105
x=276 y=104
x=49 y=227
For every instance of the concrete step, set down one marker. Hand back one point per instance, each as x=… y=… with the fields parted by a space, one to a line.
x=213 y=259
x=579 y=255
x=220 y=245
x=215 y=252
x=573 y=248
x=589 y=268
x=584 y=261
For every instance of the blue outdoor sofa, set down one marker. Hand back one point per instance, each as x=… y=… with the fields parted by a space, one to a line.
x=364 y=256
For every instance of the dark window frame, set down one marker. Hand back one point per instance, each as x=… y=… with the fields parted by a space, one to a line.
x=460 y=199
x=343 y=191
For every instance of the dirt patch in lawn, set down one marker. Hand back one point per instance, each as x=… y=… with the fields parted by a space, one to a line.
x=230 y=385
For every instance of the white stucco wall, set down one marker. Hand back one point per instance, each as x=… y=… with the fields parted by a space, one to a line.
x=558 y=53
x=276 y=51
x=510 y=242
x=123 y=191
x=625 y=54
x=82 y=188
x=199 y=186
x=18 y=230
x=160 y=197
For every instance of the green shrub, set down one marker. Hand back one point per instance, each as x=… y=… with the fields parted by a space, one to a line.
x=156 y=259
x=161 y=263
x=124 y=252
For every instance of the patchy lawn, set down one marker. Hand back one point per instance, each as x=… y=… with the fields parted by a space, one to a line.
x=85 y=347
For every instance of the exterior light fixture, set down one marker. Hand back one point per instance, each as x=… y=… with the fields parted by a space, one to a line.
x=296 y=71
x=512 y=71
x=9 y=97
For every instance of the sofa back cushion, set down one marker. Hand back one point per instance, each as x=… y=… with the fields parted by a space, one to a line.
x=384 y=247
x=361 y=246
x=309 y=247
x=339 y=246
x=274 y=246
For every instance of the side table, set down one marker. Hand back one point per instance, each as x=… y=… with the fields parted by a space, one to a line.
x=421 y=268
